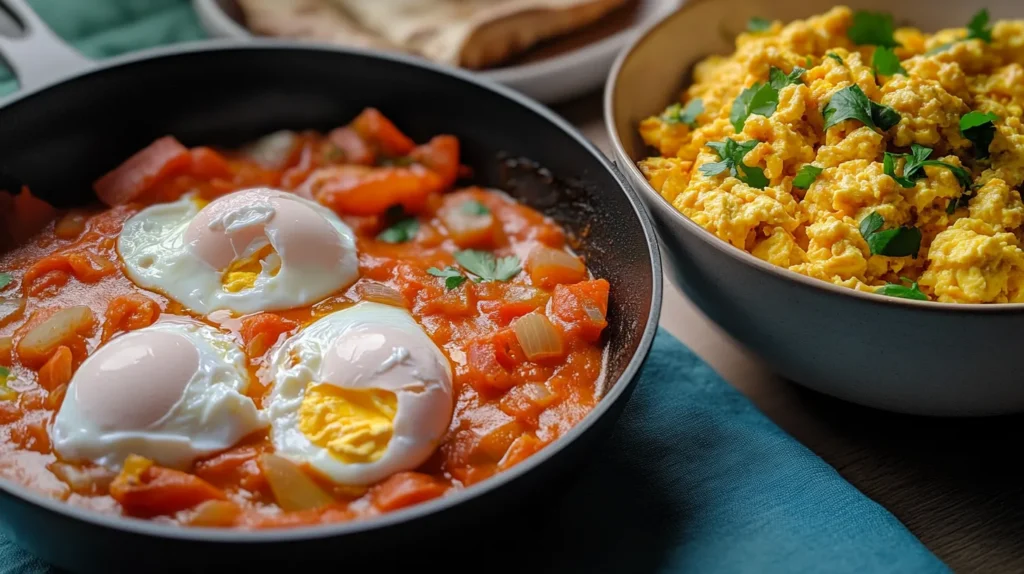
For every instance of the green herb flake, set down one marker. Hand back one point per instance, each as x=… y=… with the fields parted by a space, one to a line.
x=886 y=62
x=778 y=79
x=474 y=207
x=806 y=176
x=4 y=374
x=760 y=99
x=902 y=291
x=896 y=242
x=913 y=169
x=836 y=57
x=5 y=279
x=400 y=231
x=978 y=27
x=678 y=114
x=488 y=268
x=980 y=128
x=451 y=275
x=757 y=24
x=732 y=153
x=872 y=29
x=808 y=62
x=851 y=103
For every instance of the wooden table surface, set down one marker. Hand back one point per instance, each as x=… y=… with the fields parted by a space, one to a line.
x=947 y=480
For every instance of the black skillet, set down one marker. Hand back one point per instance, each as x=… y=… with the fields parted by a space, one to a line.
x=75 y=119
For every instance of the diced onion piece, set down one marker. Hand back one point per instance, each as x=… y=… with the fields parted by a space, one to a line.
x=468 y=229
x=549 y=267
x=537 y=393
x=593 y=313
x=538 y=337
x=6 y=351
x=292 y=489
x=272 y=151
x=11 y=309
x=39 y=344
x=70 y=226
x=83 y=479
x=380 y=293
x=215 y=513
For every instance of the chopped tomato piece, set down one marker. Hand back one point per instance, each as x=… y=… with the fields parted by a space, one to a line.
x=441 y=156
x=145 y=490
x=9 y=412
x=522 y=448
x=405 y=489
x=260 y=332
x=57 y=370
x=360 y=190
x=582 y=308
x=138 y=174
x=206 y=163
x=493 y=361
x=352 y=147
x=128 y=313
x=237 y=466
x=31 y=433
x=89 y=268
x=374 y=127
x=25 y=216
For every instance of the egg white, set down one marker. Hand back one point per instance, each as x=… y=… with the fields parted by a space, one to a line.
x=212 y=414
x=424 y=403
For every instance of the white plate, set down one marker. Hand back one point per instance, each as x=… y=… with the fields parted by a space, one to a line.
x=550 y=80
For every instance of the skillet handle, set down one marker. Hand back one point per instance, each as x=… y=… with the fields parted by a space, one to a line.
x=38 y=56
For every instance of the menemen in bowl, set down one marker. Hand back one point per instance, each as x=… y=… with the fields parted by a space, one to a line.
x=315 y=328
x=880 y=159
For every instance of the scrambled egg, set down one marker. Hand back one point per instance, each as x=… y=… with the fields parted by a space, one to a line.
x=970 y=248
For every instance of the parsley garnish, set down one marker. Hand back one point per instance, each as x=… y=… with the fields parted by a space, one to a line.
x=452 y=276
x=400 y=228
x=913 y=169
x=836 y=57
x=762 y=98
x=756 y=24
x=474 y=207
x=851 y=103
x=886 y=62
x=978 y=27
x=488 y=268
x=5 y=279
x=980 y=128
x=896 y=290
x=962 y=201
x=808 y=62
x=897 y=242
x=677 y=114
x=4 y=373
x=806 y=176
x=731 y=153
x=872 y=28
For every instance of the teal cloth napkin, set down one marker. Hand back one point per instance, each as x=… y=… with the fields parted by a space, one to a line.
x=694 y=478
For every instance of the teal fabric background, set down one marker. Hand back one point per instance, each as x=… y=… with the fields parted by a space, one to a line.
x=694 y=479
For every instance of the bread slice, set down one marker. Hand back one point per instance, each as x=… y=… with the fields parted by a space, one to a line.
x=315 y=20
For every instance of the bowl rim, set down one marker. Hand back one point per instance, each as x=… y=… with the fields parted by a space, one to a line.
x=614 y=393
x=603 y=49
x=656 y=201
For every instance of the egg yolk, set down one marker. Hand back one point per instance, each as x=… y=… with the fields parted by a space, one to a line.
x=355 y=426
x=243 y=272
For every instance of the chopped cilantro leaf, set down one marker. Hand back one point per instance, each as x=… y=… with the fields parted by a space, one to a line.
x=474 y=207
x=836 y=57
x=851 y=103
x=5 y=280
x=913 y=169
x=778 y=79
x=896 y=242
x=760 y=99
x=488 y=268
x=886 y=62
x=400 y=231
x=980 y=128
x=756 y=24
x=872 y=28
x=902 y=291
x=978 y=27
x=4 y=373
x=452 y=276
x=806 y=176
x=677 y=114
x=809 y=62
x=731 y=154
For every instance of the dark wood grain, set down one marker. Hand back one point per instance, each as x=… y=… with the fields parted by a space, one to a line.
x=948 y=480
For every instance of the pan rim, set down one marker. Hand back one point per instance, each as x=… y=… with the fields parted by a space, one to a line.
x=623 y=383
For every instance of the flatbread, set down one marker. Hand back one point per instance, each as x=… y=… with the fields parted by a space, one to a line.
x=474 y=33
x=315 y=20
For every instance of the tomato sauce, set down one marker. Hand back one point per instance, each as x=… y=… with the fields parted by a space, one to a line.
x=507 y=406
